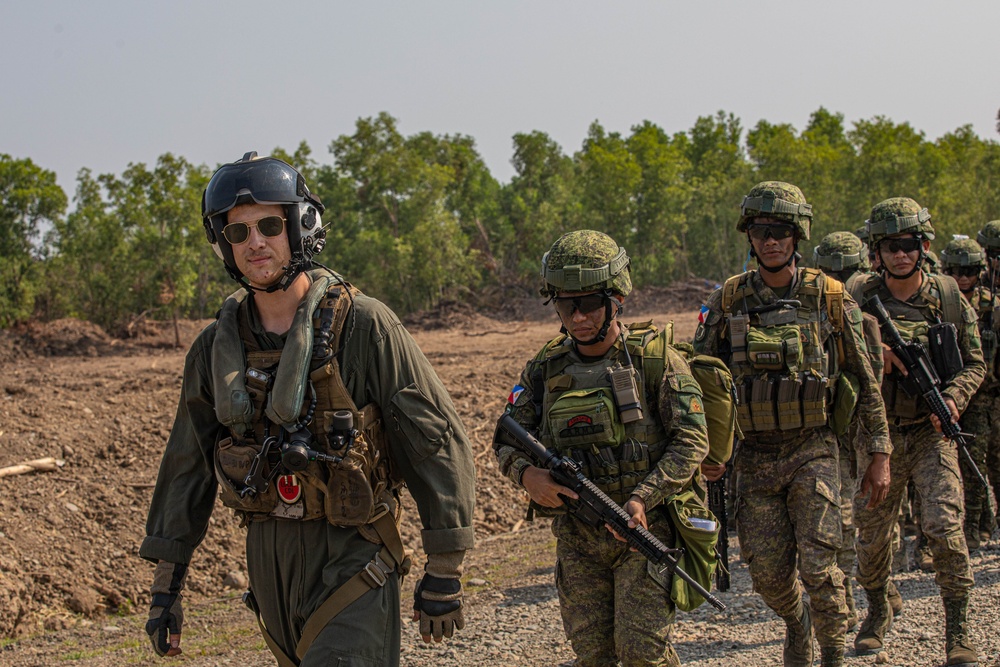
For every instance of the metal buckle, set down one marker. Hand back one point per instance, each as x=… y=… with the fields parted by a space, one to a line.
x=378 y=571
x=380 y=511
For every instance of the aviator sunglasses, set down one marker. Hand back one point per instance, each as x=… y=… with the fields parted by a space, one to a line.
x=239 y=232
x=906 y=245
x=764 y=232
x=588 y=303
x=963 y=271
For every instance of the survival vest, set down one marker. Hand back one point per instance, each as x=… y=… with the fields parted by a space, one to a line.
x=939 y=300
x=785 y=359
x=297 y=389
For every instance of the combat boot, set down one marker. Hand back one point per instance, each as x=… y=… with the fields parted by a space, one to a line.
x=972 y=531
x=922 y=556
x=871 y=637
x=895 y=599
x=987 y=523
x=798 y=650
x=960 y=648
x=831 y=656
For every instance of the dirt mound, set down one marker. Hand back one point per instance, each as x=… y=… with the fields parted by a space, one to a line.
x=448 y=315
x=680 y=296
x=63 y=338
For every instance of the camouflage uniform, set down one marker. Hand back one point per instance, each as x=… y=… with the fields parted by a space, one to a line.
x=789 y=493
x=919 y=452
x=989 y=239
x=616 y=608
x=845 y=257
x=979 y=418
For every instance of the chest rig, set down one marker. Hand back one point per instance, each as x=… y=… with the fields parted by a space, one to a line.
x=785 y=353
x=580 y=417
x=938 y=300
x=297 y=446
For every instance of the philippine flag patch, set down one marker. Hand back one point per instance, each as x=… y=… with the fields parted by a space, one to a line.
x=702 y=314
x=514 y=393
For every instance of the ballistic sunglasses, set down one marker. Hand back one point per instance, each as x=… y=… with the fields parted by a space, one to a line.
x=777 y=232
x=964 y=271
x=906 y=245
x=588 y=303
x=239 y=232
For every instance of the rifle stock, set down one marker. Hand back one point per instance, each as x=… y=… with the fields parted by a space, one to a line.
x=594 y=507
x=924 y=380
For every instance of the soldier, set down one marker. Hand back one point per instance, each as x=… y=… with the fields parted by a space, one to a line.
x=901 y=231
x=616 y=607
x=789 y=334
x=965 y=261
x=845 y=257
x=283 y=404
x=989 y=239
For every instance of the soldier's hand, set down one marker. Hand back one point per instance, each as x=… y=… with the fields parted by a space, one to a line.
x=890 y=361
x=635 y=508
x=165 y=613
x=543 y=489
x=437 y=604
x=876 y=480
x=713 y=472
x=936 y=423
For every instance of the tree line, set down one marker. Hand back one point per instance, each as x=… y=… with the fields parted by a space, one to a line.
x=417 y=219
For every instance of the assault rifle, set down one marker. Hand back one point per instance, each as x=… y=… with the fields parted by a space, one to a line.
x=717 y=505
x=594 y=507
x=924 y=380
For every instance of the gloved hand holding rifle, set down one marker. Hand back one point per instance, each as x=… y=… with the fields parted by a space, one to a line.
x=593 y=506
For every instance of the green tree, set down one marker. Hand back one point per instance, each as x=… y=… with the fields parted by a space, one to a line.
x=30 y=199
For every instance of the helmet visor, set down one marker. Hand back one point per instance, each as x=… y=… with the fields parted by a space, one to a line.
x=267 y=181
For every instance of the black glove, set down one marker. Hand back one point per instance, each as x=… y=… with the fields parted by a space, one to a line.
x=165 y=614
x=439 y=603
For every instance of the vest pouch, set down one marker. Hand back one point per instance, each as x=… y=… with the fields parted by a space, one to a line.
x=789 y=403
x=989 y=340
x=348 y=496
x=232 y=463
x=774 y=348
x=634 y=464
x=585 y=417
x=743 y=417
x=697 y=531
x=944 y=351
x=844 y=403
x=897 y=402
x=763 y=397
x=813 y=401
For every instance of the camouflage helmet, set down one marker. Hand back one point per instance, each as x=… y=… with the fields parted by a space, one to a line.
x=862 y=233
x=962 y=252
x=898 y=215
x=585 y=260
x=778 y=200
x=841 y=250
x=989 y=236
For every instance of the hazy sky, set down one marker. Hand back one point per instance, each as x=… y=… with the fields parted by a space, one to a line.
x=102 y=84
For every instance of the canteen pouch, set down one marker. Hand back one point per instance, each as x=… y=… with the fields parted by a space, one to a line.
x=697 y=531
x=844 y=403
x=585 y=417
x=944 y=351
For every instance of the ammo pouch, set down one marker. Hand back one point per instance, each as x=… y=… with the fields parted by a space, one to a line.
x=696 y=531
x=944 y=350
x=898 y=402
x=785 y=403
x=844 y=403
x=232 y=462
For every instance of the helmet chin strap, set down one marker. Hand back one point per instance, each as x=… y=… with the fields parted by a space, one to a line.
x=603 y=332
x=794 y=257
x=297 y=265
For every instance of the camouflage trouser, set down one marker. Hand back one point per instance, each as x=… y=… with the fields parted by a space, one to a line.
x=980 y=420
x=931 y=461
x=993 y=457
x=615 y=607
x=789 y=505
x=294 y=566
x=847 y=555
